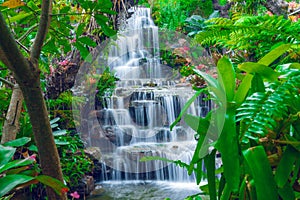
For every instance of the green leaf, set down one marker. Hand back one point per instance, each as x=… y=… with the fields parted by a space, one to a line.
x=6 y=154
x=33 y=5
x=59 y=142
x=19 y=17
x=261 y=172
x=101 y=19
x=33 y=148
x=274 y=54
x=18 y=142
x=56 y=119
x=57 y=185
x=9 y=182
x=198 y=172
x=84 y=52
x=107 y=30
x=243 y=89
x=105 y=4
x=80 y=29
x=226 y=77
x=15 y=163
x=210 y=165
x=227 y=144
x=198 y=124
x=59 y=133
x=209 y=79
x=185 y=108
x=287 y=192
x=260 y=69
x=257 y=84
x=285 y=166
x=87 y=41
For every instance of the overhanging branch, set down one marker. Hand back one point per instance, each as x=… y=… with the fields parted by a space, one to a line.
x=42 y=30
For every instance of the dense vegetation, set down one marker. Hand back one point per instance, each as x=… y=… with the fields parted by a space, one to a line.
x=254 y=127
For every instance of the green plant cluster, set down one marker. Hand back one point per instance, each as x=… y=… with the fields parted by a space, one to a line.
x=251 y=37
x=106 y=85
x=75 y=163
x=22 y=171
x=171 y=14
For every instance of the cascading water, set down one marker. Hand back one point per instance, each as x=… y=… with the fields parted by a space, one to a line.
x=135 y=121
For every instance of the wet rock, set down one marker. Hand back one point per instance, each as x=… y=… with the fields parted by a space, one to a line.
x=94 y=153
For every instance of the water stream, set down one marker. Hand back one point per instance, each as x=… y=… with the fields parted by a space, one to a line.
x=135 y=121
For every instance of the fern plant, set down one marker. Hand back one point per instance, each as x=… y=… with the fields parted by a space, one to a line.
x=253 y=36
x=263 y=114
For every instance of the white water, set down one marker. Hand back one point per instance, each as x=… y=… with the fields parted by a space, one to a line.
x=148 y=99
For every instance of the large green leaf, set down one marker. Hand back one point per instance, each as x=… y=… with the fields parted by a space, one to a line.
x=261 y=172
x=185 y=108
x=227 y=144
x=16 y=163
x=9 y=182
x=285 y=167
x=18 y=142
x=87 y=41
x=243 y=89
x=210 y=164
x=198 y=124
x=261 y=69
x=226 y=77
x=274 y=54
x=57 y=185
x=59 y=132
x=6 y=154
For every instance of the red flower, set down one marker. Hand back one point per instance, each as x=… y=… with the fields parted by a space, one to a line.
x=64 y=190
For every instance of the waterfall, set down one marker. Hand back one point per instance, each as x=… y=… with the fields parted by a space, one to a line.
x=148 y=98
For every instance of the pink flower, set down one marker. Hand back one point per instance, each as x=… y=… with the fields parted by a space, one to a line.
x=269 y=13
x=32 y=157
x=75 y=195
x=186 y=48
x=292 y=4
x=64 y=62
x=73 y=40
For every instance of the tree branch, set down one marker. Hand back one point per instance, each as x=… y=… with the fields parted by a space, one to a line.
x=10 y=54
x=7 y=82
x=42 y=30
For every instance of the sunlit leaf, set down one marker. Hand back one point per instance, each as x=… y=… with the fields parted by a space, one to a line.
x=9 y=182
x=57 y=185
x=18 y=142
x=226 y=77
x=274 y=54
x=261 y=69
x=243 y=89
x=13 y=3
x=6 y=154
x=16 y=163
x=261 y=172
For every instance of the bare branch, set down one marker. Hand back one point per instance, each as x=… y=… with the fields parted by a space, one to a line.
x=23 y=47
x=42 y=30
x=27 y=32
x=7 y=82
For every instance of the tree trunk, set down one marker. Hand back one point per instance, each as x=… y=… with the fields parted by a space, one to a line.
x=27 y=75
x=49 y=158
x=12 y=125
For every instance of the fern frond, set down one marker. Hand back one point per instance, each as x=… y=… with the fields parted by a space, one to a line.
x=252 y=33
x=262 y=112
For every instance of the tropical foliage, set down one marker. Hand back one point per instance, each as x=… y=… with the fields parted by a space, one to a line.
x=261 y=119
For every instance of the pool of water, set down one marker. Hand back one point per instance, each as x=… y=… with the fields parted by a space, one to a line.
x=144 y=190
